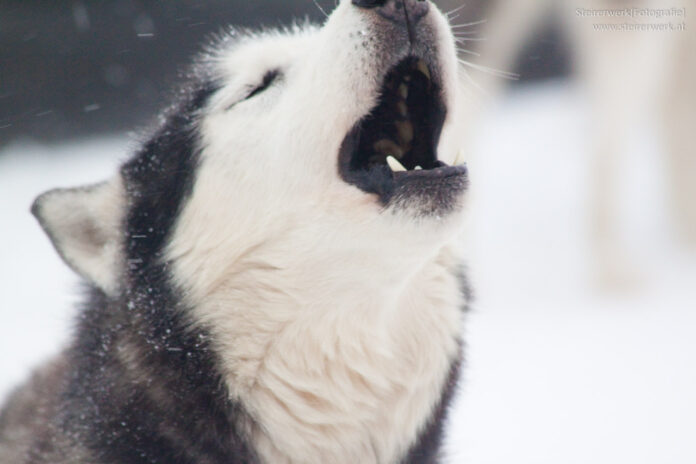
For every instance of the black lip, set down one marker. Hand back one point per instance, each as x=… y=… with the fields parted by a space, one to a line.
x=357 y=165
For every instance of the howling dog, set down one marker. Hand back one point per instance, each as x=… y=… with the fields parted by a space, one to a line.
x=273 y=276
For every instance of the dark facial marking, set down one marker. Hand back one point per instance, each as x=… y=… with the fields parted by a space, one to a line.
x=268 y=79
x=145 y=384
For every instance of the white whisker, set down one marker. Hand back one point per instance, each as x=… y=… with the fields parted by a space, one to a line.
x=316 y=2
x=470 y=39
x=472 y=81
x=468 y=52
x=486 y=69
x=455 y=10
x=464 y=33
x=473 y=23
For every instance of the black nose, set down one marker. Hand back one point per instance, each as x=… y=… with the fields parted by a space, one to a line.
x=399 y=11
x=368 y=3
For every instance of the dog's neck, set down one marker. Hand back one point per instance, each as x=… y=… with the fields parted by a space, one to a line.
x=335 y=362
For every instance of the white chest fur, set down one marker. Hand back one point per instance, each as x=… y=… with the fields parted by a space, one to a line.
x=351 y=383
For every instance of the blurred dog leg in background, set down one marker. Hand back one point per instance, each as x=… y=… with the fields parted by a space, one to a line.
x=623 y=74
x=680 y=129
x=632 y=79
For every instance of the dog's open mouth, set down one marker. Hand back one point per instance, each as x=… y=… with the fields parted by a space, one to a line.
x=403 y=129
x=397 y=141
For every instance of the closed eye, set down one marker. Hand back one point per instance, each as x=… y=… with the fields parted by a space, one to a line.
x=268 y=80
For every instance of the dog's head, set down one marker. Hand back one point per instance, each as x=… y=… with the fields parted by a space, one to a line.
x=323 y=150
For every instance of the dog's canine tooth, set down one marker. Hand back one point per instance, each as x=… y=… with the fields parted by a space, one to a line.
x=388 y=147
x=418 y=168
x=394 y=164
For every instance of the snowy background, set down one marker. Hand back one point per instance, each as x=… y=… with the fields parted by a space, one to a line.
x=556 y=372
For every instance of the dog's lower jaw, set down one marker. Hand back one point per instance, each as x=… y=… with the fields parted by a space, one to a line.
x=345 y=386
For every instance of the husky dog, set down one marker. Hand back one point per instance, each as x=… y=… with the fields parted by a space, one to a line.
x=272 y=275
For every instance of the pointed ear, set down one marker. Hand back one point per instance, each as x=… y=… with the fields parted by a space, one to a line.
x=84 y=225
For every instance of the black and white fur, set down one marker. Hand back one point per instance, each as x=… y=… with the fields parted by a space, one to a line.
x=247 y=303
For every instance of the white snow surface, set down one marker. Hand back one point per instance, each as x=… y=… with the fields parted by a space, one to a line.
x=555 y=373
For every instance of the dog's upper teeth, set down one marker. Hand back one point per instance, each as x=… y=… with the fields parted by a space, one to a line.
x=423 y=68
x=394 y=164
x=418 y=168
